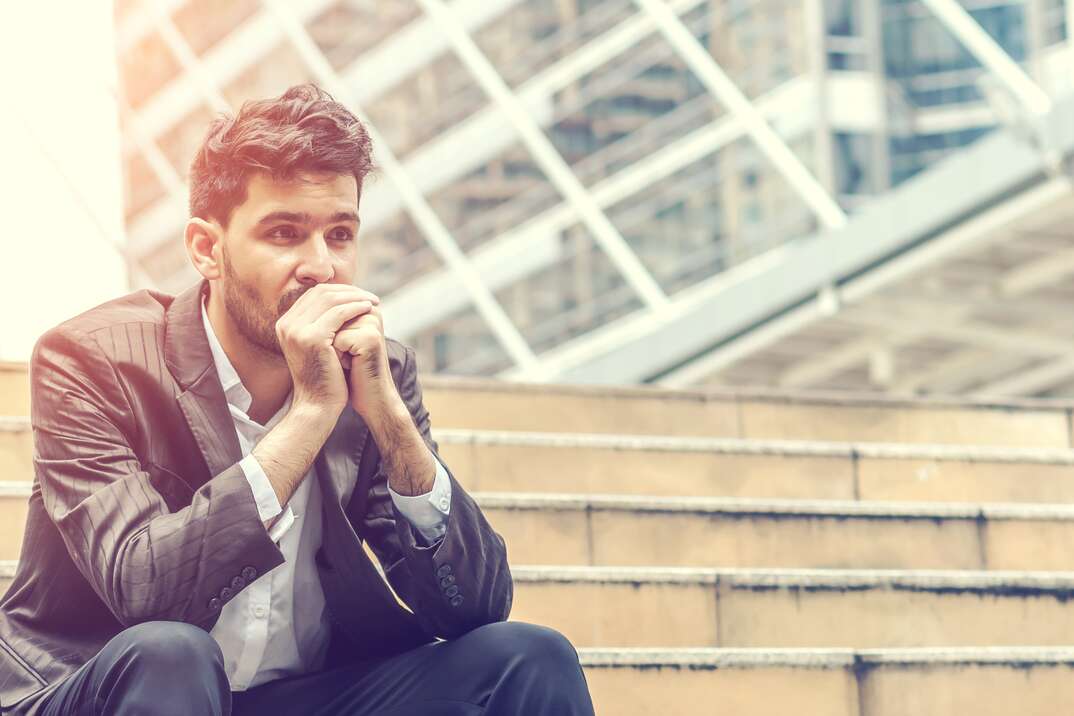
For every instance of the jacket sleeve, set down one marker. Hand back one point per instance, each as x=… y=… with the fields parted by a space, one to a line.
x=143 y=560
x=462 y=580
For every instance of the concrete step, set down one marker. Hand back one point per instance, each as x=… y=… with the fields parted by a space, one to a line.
x=725 y=532
x=755 y=608
x=16 y=449
x=612 y=530
x=503 y=461
x=984 y=681
x=690 y=607
x=1027 y=681
x=755 y=413
x=979 y=680
x=14 y=389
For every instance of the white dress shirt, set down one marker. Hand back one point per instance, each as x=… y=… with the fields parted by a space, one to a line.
x=262 y=633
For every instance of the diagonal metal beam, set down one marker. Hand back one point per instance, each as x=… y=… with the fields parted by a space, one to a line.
x=724 y=90
x=428 y=223
x=768 y=292
x=533 y=245
x=138 y=22
x=988 y=52
x=544 y=153
x=158 y=162
x=382 y=68
x=182 y=51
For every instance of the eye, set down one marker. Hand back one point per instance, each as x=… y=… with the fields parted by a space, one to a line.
x=282 y=232
x=341 y=234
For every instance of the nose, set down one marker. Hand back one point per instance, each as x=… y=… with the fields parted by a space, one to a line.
x=315 y=266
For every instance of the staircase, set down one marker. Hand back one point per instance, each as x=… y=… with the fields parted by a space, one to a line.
x=755 y=553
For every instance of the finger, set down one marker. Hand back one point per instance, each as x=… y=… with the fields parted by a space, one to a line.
x=330 y=322
x=344 y=358
x=349 y=341
x=322 y=297
x=363 y=318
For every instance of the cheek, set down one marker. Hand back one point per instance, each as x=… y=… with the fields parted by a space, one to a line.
x=346 y=265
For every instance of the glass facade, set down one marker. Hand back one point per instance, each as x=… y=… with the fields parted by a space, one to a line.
x=864 y=93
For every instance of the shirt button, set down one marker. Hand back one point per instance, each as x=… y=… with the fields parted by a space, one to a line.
x=444 y=504
x=260 y=611
x=248 y=573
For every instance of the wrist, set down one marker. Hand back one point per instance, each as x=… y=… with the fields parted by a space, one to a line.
x=386 y=409
x=306 y=415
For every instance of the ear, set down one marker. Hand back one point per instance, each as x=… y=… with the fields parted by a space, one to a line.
x=204 y=242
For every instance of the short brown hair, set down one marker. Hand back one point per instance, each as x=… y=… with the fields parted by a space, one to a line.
x=304 y=129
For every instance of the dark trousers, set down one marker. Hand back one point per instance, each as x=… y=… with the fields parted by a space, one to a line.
x=166 y=668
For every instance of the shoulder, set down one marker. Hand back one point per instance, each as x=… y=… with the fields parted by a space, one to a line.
x=135 y=317
x=143 y=306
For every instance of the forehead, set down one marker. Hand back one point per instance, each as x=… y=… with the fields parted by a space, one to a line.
x=332 y=191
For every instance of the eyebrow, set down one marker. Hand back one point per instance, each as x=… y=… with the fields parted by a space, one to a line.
x=293 y=217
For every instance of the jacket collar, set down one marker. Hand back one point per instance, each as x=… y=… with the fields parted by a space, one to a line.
x=186 y=347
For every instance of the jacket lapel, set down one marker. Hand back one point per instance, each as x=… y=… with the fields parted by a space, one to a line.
x=201 y=397
x=337 y=462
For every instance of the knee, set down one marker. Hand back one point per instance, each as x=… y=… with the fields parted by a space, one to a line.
x=166 y=645
x=539 y=646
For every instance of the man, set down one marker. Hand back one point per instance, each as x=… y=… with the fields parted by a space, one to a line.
x=209 y=466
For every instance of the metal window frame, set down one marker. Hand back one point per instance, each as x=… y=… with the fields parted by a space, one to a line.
x=724 y=90
x=548 y=158
x=988 y=52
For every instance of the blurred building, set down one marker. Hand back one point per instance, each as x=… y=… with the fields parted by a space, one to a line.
x=686 y=246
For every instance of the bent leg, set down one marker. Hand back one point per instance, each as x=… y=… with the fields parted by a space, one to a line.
x=500 y=668
x=157 y=668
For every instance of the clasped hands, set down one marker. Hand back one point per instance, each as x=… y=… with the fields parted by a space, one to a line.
x=332 y=327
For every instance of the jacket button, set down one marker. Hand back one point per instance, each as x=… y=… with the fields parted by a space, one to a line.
x=456 y=600
x=226 y=593
x=248 y=573
x=238 y=583
x=452 y=590
x=447 y=581
x=215 y=603
x=445 y=570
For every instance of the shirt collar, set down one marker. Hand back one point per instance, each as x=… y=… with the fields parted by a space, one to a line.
x=234 y=390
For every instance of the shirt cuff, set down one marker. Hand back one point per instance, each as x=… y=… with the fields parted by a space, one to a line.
x=280 y=526
x=427 y=512
x=268 y=505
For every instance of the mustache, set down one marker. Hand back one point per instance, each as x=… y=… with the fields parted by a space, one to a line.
x=288 y=299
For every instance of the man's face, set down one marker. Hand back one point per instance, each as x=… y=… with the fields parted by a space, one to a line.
x=284 y=239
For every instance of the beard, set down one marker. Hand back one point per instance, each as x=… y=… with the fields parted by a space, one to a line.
x=254 y=318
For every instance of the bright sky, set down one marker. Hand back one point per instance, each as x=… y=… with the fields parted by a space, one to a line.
x=60 y=188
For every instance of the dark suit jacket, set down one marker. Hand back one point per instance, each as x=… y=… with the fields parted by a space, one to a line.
x=139 y=509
